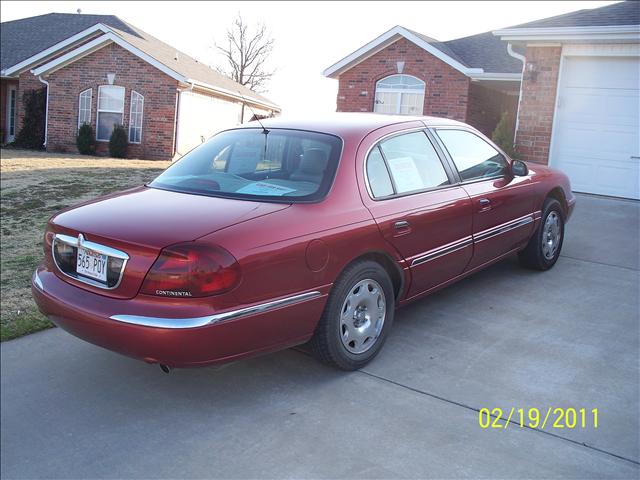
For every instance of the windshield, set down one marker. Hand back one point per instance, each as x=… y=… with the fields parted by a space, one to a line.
x=281 y=165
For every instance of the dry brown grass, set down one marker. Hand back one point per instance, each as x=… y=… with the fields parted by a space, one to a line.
x=33 y=186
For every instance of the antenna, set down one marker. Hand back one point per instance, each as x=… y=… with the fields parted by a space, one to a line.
x=264 y=130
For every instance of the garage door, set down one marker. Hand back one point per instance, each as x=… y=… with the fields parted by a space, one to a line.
x=597 y=128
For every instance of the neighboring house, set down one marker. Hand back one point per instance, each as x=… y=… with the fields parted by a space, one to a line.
x=580 y=106
x=473 y=79
x=103 y=71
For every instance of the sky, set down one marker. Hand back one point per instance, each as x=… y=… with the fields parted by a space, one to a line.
x=309 y=36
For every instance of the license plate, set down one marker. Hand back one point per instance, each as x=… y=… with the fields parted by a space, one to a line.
x=92 y=264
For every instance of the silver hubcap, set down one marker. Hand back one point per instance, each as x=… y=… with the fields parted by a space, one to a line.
x=362 y=316
x=551 y=235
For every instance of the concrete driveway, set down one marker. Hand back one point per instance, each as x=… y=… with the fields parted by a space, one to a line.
x=505 y=337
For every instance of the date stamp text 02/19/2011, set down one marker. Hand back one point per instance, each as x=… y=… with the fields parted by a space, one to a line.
x=533 y=417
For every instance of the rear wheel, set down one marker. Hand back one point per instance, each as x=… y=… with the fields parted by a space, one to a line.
x=357 y=317
x=543 y=250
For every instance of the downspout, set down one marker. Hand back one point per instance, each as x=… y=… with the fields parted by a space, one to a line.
x=522 y=58
x=177 y=115
x=46 y=112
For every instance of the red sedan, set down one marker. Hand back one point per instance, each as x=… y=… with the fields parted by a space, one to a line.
x=265 y=237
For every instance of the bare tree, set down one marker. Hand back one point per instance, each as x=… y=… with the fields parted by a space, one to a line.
x=246 y=54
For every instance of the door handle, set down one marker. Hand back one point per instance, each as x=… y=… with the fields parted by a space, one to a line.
x=401 y=225
x=485 y=204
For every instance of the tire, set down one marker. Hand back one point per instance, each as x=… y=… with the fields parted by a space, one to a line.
x=347 y=335
x=543 y=250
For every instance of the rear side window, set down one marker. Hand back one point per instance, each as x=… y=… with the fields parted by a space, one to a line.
x=378 y=175
x=412 y=162
x=474 y=158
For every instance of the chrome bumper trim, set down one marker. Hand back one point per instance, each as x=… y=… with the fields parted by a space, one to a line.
x=37 y=281
x=442 y=251
x=79 y=241
x=504 y=228
x=195 y=322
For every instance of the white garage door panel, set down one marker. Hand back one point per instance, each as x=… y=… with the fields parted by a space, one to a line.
x=597 y=129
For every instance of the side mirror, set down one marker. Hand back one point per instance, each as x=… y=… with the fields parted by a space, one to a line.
x=519 y=168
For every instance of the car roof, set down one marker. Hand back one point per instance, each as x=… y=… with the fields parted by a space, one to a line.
x=347 y=124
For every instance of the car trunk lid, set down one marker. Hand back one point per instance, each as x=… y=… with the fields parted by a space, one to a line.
x=140 y=222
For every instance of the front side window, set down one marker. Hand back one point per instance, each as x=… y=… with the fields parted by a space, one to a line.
x=135 y=117
x=84 y=107
x=400 y=95
x=412 y=162
x=110 y=110
x=281 y=165
x=474 y=158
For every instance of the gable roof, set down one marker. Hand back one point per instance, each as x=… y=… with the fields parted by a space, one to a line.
x=617 y=22
x=476 y=56
x=21 y=39
x=111 y=28
x=623 y=13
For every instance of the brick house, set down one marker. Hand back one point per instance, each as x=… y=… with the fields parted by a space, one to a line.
x=100 y=70
x=580 y=104
x=473 y=79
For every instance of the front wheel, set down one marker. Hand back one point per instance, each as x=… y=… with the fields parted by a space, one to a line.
x=357 y=317
x=543 y=250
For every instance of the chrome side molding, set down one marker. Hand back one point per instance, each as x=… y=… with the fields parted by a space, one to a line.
x=479 y=237
x=504 y=228
x=195 y=322
x=442 y=251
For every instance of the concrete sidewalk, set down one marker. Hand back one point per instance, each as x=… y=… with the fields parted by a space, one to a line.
x=506 y=337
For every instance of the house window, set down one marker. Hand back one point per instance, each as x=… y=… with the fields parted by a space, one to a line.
x=84 y=107
x=135 y=117
x=110 y=110
x=400 y=95
x=11 y=114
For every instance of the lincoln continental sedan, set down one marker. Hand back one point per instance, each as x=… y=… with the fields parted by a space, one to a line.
x=277 y=234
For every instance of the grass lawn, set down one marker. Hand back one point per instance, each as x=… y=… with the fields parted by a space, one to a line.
x=33 y=186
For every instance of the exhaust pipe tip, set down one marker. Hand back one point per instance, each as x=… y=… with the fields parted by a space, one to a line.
x=165 y=368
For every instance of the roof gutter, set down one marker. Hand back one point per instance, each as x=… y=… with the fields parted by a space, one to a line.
x=610 y=32
x=46 y=112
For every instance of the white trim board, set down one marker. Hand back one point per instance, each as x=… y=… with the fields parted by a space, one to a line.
x=387 y=39
x=25 y=64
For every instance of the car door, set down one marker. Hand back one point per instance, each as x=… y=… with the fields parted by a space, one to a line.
x=411 y=194
x=502 y=204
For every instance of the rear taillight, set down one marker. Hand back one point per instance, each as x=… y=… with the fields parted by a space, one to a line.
x=192 y=270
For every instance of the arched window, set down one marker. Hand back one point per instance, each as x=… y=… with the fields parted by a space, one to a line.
x=135 y=117
x=400 y=95
x=84 y=107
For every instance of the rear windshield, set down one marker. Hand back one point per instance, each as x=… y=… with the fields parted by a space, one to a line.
x=278 y=166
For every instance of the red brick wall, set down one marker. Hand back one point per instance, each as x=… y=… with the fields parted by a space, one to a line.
x=535 y=117
x=486 y=106
x=446 y=91
x=159 y=92
x=30 y=82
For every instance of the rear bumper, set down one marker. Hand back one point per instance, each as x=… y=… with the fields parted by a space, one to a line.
x=174 y=337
